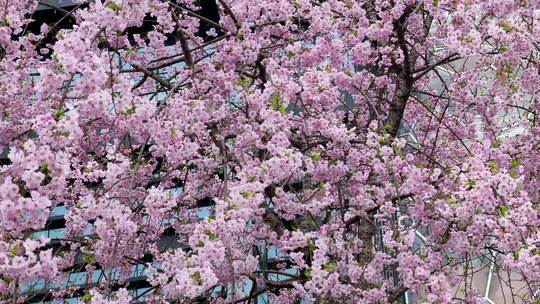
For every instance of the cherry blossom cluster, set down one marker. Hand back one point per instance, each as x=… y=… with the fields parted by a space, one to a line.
x=339 y=151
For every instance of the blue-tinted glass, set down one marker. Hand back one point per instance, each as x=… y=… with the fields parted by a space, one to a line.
x=202 y=212
x=138 y=292
x=34 y=285
x=95 y=275
x=58 y=210
x=139 y=270
x=40 y=234
x=77 y=278
x=57 y=233
x=88 y=231
x=175 y=191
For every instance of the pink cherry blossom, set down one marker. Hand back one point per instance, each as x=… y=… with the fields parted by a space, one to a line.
x=339 y=151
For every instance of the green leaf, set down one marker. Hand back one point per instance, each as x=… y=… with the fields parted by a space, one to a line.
x=492 y=165
x=55 y=56
x=88 y=259
x=231 y=207
x=311 y=245
x=212 y=236
x=86 y=298
x=60 y=35
x=196 y=277
x=102 y=40
x=59 y=113
x=506 y=27
x=44 y=168
x=200 y=244
x=388 y=250
x=444 y=239
x=129 y=110
x=276 y=104
x=307 y=273
x=247 y=194
x=133 y=165
x=503 y=210
x=274 y=98
x=514 y=163
x=514 y=174
x=328 y=267
x=243 y=82
x=113 y=6
x=13 y=250
x=516 y=254
x=316 y=155
x=63 y=133
x=452 y=201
